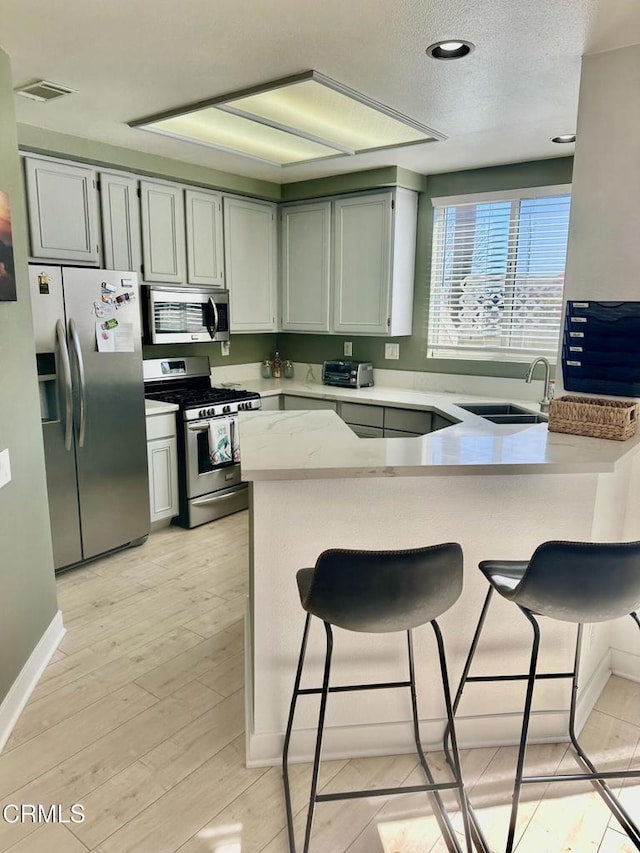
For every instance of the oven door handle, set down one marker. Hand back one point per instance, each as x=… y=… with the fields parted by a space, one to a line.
x=214 y=311
x=197 y=427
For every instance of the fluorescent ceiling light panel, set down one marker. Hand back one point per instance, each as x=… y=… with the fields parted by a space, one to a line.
x=211 y=126
x=294 y=120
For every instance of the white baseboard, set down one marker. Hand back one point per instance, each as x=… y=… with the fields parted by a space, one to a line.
x=397 y=738
x=25 y=683
x=358 y=741
x=589 y=693
x=625 y=664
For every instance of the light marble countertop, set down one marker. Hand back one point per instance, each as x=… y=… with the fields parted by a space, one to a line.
x=157 y=407
x=289 y=445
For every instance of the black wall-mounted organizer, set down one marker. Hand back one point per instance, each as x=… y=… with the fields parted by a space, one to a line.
x=601 y=348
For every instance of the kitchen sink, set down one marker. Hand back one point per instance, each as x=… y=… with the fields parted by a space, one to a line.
x=505 y=413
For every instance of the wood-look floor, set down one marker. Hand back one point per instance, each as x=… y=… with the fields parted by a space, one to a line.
x=139 y=718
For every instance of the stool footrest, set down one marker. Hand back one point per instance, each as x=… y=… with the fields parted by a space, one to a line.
x=543 y=676
x=385 y=792
x=347 y=688
x=587 y=777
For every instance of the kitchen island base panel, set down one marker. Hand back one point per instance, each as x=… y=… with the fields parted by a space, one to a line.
x=504 y=516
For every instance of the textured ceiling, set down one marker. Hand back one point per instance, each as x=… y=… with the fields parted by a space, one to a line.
x=131 y=58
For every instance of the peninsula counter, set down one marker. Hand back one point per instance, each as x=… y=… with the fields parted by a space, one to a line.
x=498 y=490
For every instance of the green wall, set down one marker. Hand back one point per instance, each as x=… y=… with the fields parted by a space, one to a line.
x=27 y=586
x=41 y=141
x=244 y=349
x=413 y=350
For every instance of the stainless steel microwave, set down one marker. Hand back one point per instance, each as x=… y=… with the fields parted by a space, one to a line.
x=181 y=315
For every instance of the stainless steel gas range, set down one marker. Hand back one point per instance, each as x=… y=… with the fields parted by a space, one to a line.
x=208 y=436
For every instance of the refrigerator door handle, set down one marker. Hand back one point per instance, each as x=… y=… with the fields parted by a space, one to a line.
x=215 y=314
x=75 y=338
x=68 y=390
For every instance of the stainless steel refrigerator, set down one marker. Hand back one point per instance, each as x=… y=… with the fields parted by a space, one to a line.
x=89 y=355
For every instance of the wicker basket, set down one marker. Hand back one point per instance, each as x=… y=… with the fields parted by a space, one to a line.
x=616 y=419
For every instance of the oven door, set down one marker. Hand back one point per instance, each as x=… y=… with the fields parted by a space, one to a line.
x=205 y=472
x=188 y=315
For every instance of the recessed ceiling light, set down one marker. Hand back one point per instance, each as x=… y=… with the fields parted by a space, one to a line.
x=564 y=137
x=293 y=120
x=449 y=49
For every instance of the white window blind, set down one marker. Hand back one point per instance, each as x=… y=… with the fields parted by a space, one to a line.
x=497 y=274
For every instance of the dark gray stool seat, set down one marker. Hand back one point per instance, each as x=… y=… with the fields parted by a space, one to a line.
x=380 y=592
x=578 y=582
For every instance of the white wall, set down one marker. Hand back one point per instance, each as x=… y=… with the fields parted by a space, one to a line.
x=603 y=258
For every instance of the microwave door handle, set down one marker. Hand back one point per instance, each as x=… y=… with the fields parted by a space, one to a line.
x=75 y=338
x=216 y=318
x=68 y=389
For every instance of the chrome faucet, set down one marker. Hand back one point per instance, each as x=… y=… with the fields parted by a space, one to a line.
x=546 y=399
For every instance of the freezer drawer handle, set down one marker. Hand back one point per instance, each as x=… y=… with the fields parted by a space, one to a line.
x=68 y=390
x=75 y=337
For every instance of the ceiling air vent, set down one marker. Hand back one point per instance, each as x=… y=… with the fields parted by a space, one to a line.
x=43 y=90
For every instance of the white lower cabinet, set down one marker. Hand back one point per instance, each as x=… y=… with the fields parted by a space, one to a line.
x=307 y=403
x=270 y=404
x=162 y=458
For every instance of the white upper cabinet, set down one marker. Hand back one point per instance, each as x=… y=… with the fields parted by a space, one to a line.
x=374 y=241
x=163 y=236
x=120 y=208
x=62 y=211
x=306 y=267
x=204 y=238
x=250 y=255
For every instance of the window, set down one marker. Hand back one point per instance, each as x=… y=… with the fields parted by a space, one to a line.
x=497 y=274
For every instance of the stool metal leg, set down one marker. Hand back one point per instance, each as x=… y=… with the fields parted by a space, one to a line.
x=531 y=680
x=479 y=839
x=600 y=785
x=454 y=743
x=287 y=737
x=440 y=811
x=316 y=759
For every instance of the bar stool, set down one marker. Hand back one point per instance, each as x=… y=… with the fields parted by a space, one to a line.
x=379 y=592
x=577 y=582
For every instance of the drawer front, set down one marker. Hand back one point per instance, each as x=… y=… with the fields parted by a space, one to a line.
x=270 y=404
x=161 y=426
x=366 y=431
x=407 y=420
x=308 y=403
x=357 y=413
x=398 y=433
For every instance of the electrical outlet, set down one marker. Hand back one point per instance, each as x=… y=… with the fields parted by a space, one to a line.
x=392 y=350
x=5 y=468
x=225 y=347
x=347 y=348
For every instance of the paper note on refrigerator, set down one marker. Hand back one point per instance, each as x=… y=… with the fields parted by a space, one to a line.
x=112 y=336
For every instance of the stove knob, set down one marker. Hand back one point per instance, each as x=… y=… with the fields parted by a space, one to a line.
x=202 y=413
x=241 y=406
x=226 y=408
x=210 y=412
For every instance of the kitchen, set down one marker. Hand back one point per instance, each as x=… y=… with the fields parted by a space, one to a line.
x=593 y=261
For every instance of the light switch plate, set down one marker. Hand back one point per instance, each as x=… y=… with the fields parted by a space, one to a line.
x=392 y=350
x=225 y=347
x=347 y=348
x=5 y=468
